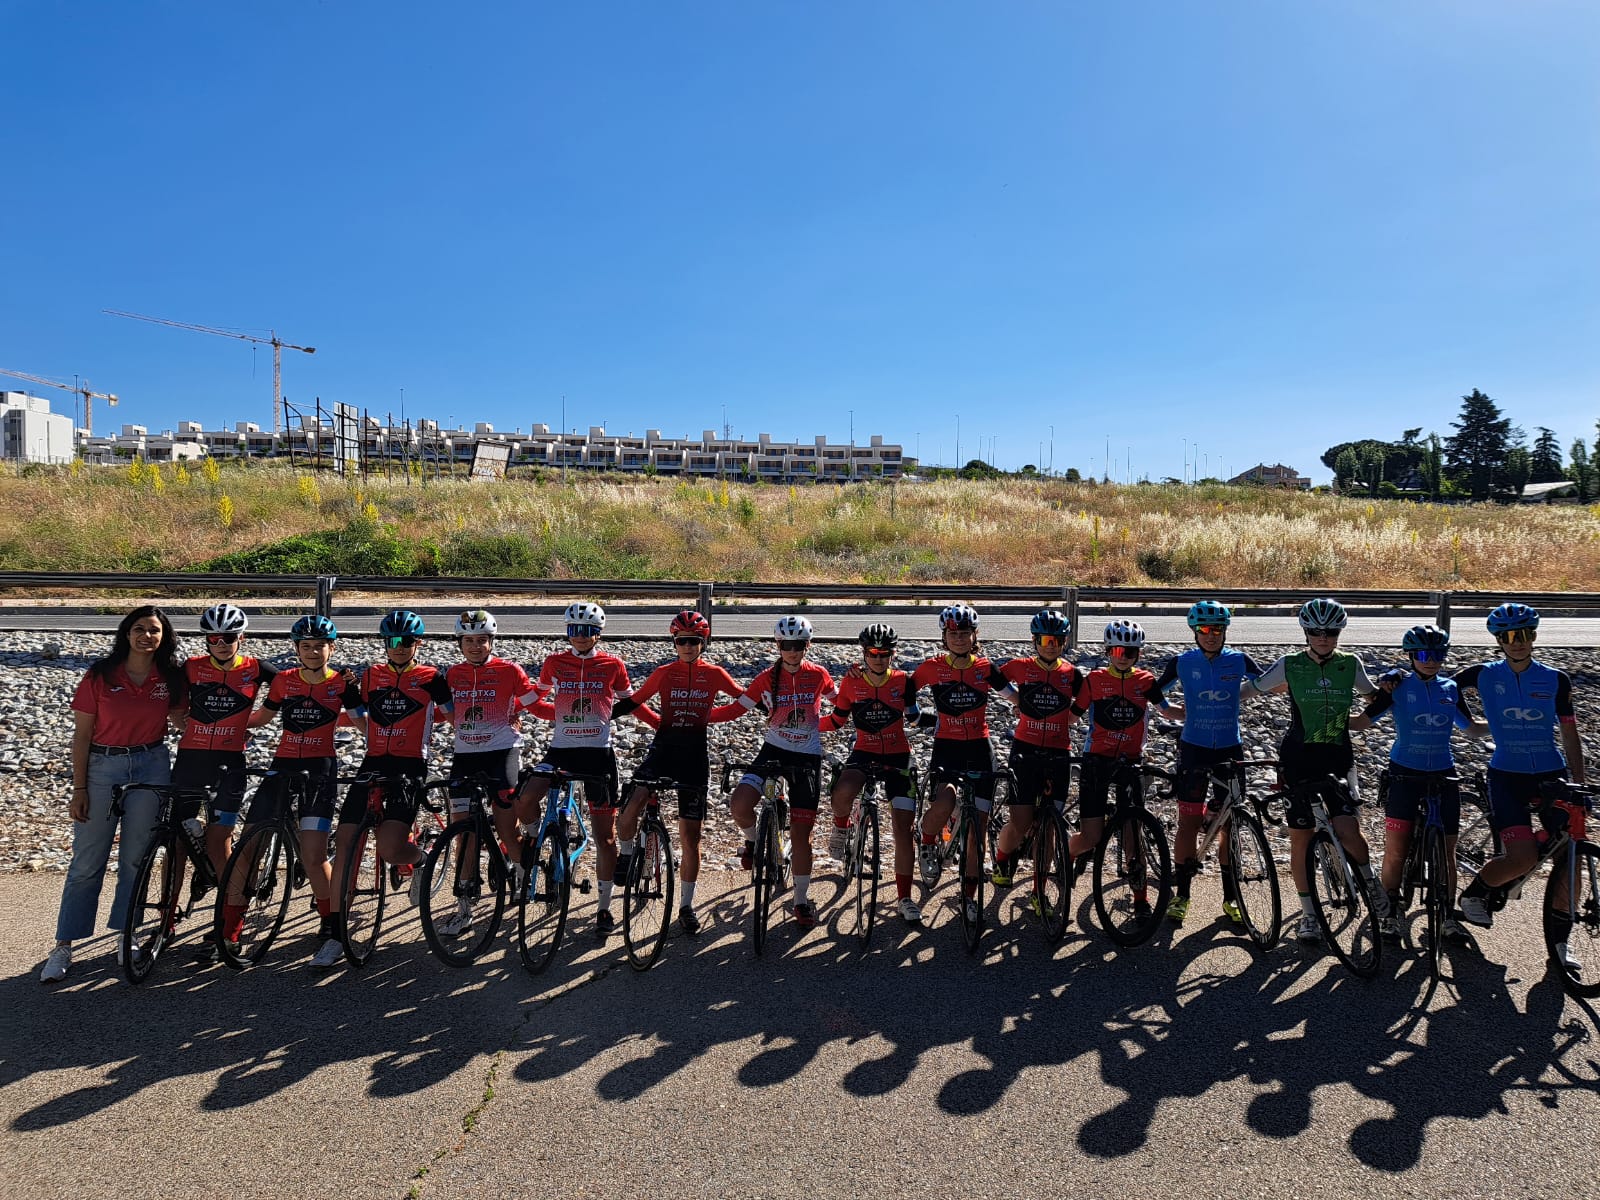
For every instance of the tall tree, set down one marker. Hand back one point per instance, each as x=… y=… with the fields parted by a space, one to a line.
x=1479 y=446
x=1373 y=458
x=1433 y=469
x=1518 y=466
x=1345 y=467
x=1545 y=459
x=1583 y=473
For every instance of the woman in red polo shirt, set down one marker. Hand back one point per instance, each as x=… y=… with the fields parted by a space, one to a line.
x=120 y=713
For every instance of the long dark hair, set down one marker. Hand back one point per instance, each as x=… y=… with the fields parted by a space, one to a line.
x=166 y=656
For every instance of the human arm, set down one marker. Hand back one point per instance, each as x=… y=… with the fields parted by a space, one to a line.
x=83 y=724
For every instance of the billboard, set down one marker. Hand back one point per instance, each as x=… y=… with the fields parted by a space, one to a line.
x=489 y=461
x=346 y=439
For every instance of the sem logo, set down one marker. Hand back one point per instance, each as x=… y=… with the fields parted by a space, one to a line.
x=1433 y=720
x=1523 y=714
x=1214 y=696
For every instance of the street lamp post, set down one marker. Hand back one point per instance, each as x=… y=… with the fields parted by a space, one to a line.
x=1052 y=450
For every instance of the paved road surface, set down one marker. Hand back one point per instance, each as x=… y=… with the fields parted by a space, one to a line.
x=1186 y=1068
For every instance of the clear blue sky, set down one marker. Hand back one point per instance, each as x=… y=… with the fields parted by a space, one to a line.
x=1265 y=227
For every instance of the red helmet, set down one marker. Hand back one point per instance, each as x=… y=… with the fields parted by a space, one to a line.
x=690 y=623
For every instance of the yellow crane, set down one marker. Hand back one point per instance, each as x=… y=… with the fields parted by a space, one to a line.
x=81 y=388
x=278 y=347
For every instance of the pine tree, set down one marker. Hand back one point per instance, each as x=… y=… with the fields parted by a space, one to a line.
x=1479 y=446
x=1545 y=460
x=1582 y=472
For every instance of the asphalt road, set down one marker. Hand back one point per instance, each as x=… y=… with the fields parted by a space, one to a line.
x=1188 y=1067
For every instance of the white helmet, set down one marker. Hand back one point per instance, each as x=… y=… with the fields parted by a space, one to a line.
x=1125 y=633
x=1322 y=613
x=792 y=629
x=585 y=612
x=224 y=618
x=958 y=616
x=475 y=620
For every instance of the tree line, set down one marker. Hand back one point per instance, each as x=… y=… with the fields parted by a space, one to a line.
x=1486 y=456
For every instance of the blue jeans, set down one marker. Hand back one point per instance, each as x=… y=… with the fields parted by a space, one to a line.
x=91 y=839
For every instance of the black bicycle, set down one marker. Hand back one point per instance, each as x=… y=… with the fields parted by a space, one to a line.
x=960 y=839
x=1339 y=896
x=159 y=901
x=1130 y=859
x=769 y=863
x=648 y=890
x=364 y=884
x=862 y=850
x=467 y=869
x=1428 y=873
x=260 y=876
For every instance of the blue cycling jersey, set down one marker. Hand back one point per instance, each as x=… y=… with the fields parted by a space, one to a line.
x=1210 y=694
x=1425 y=711
x=1523 y=709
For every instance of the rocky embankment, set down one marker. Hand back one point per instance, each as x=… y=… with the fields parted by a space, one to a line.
x=38 y=673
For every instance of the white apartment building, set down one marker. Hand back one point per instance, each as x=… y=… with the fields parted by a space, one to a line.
x=30 y=432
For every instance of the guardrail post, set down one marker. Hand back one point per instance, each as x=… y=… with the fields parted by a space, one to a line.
x=705 y=600
x=325 y=585
x=1441 y=605
x=1069 y=601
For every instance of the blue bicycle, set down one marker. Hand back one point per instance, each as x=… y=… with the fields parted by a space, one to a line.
x=550 y=859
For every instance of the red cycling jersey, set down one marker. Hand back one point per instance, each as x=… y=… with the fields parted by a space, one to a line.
x=582 y=688
x=1116 y=705
x=487 y=699
x=220 y=701
x=879 y=712
x=793 y=700
x=400 y=707
x=960 y=697
x=688 y=693
x=1044 y=701
x=310 y=710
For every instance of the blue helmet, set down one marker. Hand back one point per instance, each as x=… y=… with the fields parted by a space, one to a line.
x=1425 y=637
x=314 y=628
x=401 y=622
x=1209 y=612
x=1049 y=623
x=1513 y=616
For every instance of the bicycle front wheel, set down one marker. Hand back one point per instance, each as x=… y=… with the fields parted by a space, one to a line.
x=767 y=876
x=1255 y=879
x=1132 y=878
x=543 y=900
x=1342 y=906
x=153 y=910
x=969 y=860
x=1582 y=976
x=1052 y=875
x=363 y=891
x=255 y=889
x=864 y=862
x=463 y=894
x=1436 y=896
x=647 y=896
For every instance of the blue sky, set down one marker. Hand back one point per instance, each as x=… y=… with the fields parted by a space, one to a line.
x=1262 y=227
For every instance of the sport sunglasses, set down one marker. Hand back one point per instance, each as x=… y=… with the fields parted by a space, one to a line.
x=688 y=641
x=396 y=641
x=1514 y=635
x=581 y=631
x=1429 y=655
x=786 y=644
x=1322 y=633
x=1211 y=629
x=221 y=639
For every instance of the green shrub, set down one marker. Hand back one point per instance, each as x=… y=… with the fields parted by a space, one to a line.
x=486 y=554
x=362 y=547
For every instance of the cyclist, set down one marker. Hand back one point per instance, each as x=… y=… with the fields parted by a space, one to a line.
x=1117 y=698
x=310 y=698
x=224 y=685
x=1525 y=703
x=400 y=696
x=791 y=691
x=1321 y=681
x=960 y=682
x=1210 y=676
x=877 y=698
x=688 y=687
x=487 y=694
x=1042 y=687
x=582 y=685
x=1426 y=708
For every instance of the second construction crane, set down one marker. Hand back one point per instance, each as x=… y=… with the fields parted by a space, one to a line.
x=81 y=388
x=278 y=346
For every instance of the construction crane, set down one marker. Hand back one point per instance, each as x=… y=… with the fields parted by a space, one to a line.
x=278 y=347
x=81 y=388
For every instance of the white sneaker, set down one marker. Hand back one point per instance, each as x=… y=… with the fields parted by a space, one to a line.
x=909 y=912
x=455 y=924
x=838 y=843
x=1566 y=959
x=137 y=953
x=931 y=865
x=414 y=889
x=1310 y=933
x=1474 y=911
x=55 y=967
x=330 y=954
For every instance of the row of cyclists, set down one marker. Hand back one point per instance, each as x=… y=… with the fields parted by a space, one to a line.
x=583 y=689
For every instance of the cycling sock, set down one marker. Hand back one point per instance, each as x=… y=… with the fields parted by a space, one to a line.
x=902 y=886
x=1560 y=926
x=802 y=885
x=605 y=894
x=624 y=861
x=1230 y=890
x=1365 y=871
x=688 y=894
x=1394 y=904
x=624 y=848
x=930 y=839
x=842 y=822
x=329 y=927
x=325 y=905
x=969 y=888
x=1000 y=857
x=1306 y=907
x=1187 y=870
x=232 y=921
x=749 y=835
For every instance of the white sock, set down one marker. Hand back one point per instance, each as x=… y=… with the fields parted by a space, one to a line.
x=749 y=834
x=605 y=894
x=687 y=886
x=802 y=884
x=1306 y=907
x=625 y=847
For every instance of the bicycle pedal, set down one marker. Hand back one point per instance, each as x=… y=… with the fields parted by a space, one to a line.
x=585 y=887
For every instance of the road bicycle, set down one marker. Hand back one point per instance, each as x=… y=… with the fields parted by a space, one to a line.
x=769 y=861
x=549 y=860
x=960 y=840
x=863 y=862
x=366 y=879
x=1427 y=872
x=1045 y=847
x=159 y=901
x=648 y=888
x=466 y=877
x=262 y=874
x=1340 y=897
x=1130 y=858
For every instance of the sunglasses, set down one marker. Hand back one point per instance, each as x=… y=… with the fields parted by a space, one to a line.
x=1429 y=655
x=1125 y=651
x=878 y=653
x=1048 y=639
x=1333 y=633
x=688 y=641
x=583 y=631
x=1514 y=635
x=1213 y=630
x=221 y=639
x=788 y=645
x=398 y=640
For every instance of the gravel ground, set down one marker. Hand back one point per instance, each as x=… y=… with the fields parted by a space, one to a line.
x=41 y=670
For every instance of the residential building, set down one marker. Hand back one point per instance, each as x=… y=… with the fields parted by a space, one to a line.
x=1276 y=475
x=30 y=432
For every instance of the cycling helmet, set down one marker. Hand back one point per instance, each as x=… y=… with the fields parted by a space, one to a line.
x=314 y=628
x=690 y=623
x=1209 y=612
x=401 y=622
x=1125 y=633
x=1322 y=614
x=224 y=618
x=585 y=612
x=792 y=629
x=879 y=636
x=1049 y=623
x=959 y=616
x=1425 y=637
x=475 y=620
x=1513 y=616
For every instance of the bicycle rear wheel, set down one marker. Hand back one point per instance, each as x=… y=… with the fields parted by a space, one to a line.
x=969 y=874
x=1583 y=941
x=864 y=862
x=1343 y=908
x=543 y=900
x=1434 y=897
x=647 y=896
x=1052 y=875
x=1255 y=878
x=154 y=907
x=364 y=889
x=1132 y=878
x=463 y=894
x=766 y=869
x=259 y=876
